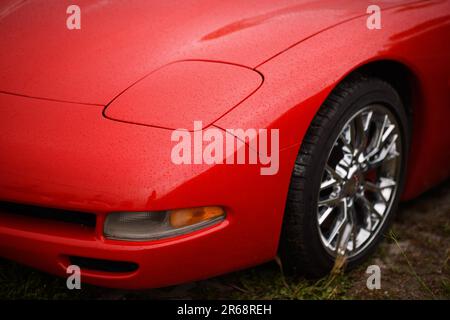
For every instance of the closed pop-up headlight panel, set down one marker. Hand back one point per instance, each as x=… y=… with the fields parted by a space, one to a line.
x=180 y=93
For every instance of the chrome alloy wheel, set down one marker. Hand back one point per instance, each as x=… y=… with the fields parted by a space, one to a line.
x=360 y=181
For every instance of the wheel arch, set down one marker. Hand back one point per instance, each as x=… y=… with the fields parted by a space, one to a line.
x=402 y=78
x=406 y=81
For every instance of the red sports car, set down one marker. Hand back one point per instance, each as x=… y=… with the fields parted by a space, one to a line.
x=157 y=142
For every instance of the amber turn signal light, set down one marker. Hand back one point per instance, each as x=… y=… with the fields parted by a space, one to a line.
x=187 y=217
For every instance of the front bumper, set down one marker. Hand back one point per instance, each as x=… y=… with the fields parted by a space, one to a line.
x=68 y=156
x=49 y=246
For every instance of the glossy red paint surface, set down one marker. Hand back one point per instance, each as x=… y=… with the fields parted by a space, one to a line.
x=157 y=100
x=57 y=148
x=122 y=41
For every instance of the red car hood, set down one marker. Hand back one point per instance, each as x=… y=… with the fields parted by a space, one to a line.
x=122 y=41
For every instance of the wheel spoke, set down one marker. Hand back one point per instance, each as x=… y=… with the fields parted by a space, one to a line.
x=368 y=120
x=383 y=155
x=384 y=184
x=387 y=183
x=331 y=201
x=385 y=139
x=347 y=232
x=387 y=146
x=386 y=134
x=325 y=215
x=328 y=183
x=344 y=236
x=379 y=135
x=372 y=187
x=352 y=217
x=333 y=173
x=353 y=136
x=354 y=238
x=370 y=207
x=339 y=224
x=347 y=147
x=361 y=133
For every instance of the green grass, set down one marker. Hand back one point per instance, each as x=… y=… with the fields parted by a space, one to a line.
x=17 y=282
x=263 y=282
x=256 y=285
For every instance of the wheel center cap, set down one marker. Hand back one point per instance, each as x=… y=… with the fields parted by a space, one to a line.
x=354 y=184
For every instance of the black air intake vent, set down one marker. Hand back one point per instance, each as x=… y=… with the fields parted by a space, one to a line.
x=103 y=265
x=74 y=217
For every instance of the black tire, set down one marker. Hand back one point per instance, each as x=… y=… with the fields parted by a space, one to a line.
x=301 y=250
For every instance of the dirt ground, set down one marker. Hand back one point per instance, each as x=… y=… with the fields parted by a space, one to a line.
x=416 y=265
x=414 y=262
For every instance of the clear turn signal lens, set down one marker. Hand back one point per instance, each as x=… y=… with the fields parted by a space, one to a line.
x=143 y=226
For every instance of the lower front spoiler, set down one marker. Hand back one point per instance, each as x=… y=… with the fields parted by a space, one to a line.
x=200 y=255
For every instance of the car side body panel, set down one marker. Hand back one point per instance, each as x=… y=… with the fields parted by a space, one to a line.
x=412 y=36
